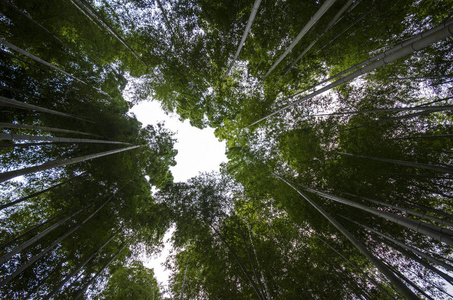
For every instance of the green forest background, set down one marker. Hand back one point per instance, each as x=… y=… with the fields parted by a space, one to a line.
x=337 y=120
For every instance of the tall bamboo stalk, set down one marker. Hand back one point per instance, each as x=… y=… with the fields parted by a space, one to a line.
x=85 y=287
x=256 y=5
x=322 y=10
x=14 y=103
x=26 y=137
x=416 y=43
x=439 y=233
x=375 y=261
x=60 y=163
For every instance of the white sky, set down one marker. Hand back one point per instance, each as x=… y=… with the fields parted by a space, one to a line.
x=198 y=151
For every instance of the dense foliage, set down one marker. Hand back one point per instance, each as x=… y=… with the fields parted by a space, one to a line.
x=338 y=184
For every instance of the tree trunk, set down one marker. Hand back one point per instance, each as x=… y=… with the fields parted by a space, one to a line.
x=436 y=232
x=37 y=59
x=80 y=266
x=24 y=137
x=49 y=129
x=185 y=276
x=266 y=287
x=256 y=5
x=100 y=19
x=59 y=163
x=38 y=193
x=334 y=20
x=29 y=18
x=375 y=261
x=405 y=210
x=14 y=240
x=445 y=169
x=32 y=260
x=37 y=237
x=378 y=285
x=23 y=145
x=17 y=104
x=82 y=291
x=416 y=43
x=409 y=248
x=323 y=9
x=243 y=268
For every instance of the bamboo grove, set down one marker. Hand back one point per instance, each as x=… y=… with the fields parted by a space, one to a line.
x=337 y=119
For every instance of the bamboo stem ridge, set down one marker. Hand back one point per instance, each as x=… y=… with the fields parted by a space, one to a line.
x=50 y=129
x=51 y=246
x=80 y=266
x=25 y=137
x=402 y=163
x=424 y=39
x=439 y=233
x=60 y=163
x=14 y=103
x=322 y=10
x=82 y=291
x=256 y=5
x=378 y=263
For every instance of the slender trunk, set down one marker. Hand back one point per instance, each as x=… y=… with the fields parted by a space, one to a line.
x=100 y=19
x=409 y=248
x=59 y=163
x=256 y=5
x=255 y=273
x=420 y=113
x=30 y=19
x=14 y=240
x=439 y=136
x=49 y=129
x=416 y=43
x=405 y=210
x=167 y=22
x=243 y=268
x=17 y=104
x=23 y=145
x=385 y=53
x=85 y=287
x=375 y=261
x=266 y=287
x=425 y=208
x=436 y=232
x=37 y=59
x=332 y=23
x=22 y=60
x=402 y=162
x=80 y=266
x=24 y=137
x=322 y=10
x=185 y=276
x=378 y=285
x=32 y=260
x=395 y=109
x=37 y=237
x=32 y=195
x=417 y=259
x=400 y=275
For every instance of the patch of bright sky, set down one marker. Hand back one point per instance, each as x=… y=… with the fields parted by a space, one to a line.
x=198 y=151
